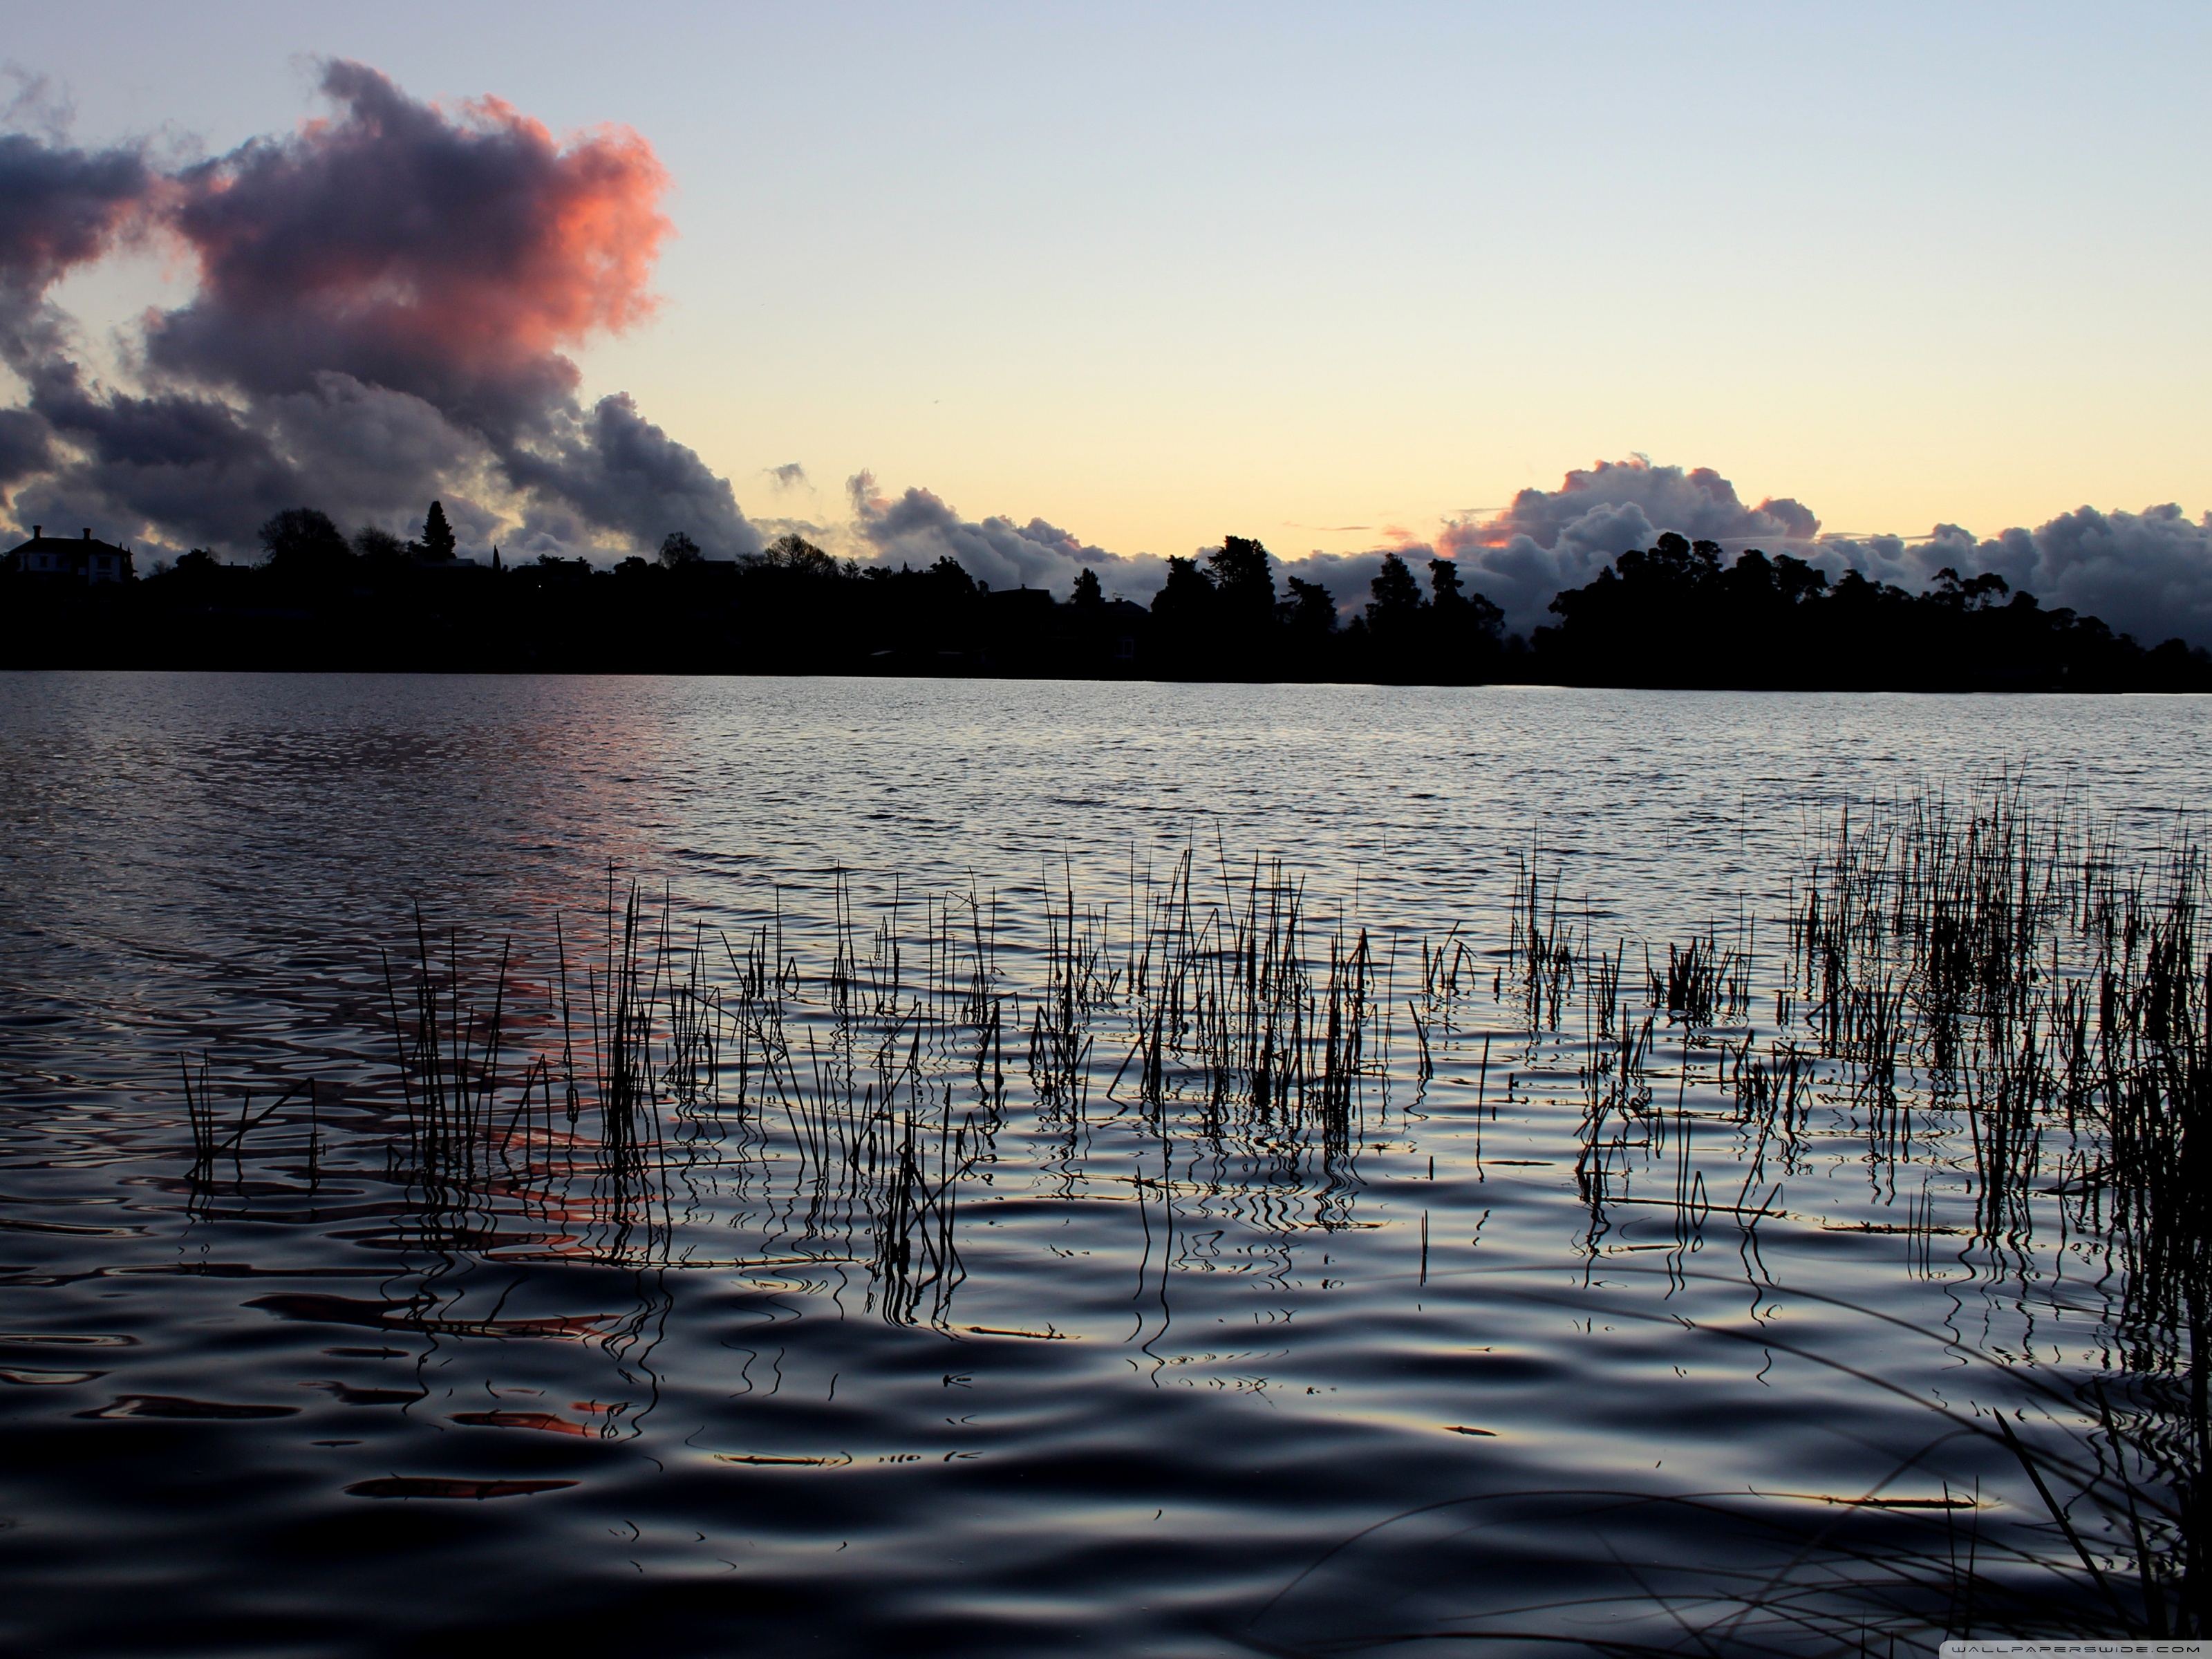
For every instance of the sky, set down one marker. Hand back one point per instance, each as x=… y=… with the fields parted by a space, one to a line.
x=1338 y=277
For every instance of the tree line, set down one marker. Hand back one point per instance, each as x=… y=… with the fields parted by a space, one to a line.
x=1673 y=615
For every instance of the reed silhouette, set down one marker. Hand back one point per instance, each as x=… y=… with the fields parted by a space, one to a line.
x=1992 y=971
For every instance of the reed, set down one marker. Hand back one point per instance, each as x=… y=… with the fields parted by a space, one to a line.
x=1986 y=960
x=2061 y=992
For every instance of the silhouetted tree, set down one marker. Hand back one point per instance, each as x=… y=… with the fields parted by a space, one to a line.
x=950 y=574
x=1397 y=598
x=1974 y=594
x=1669 y=614
x=1795 y=579
x=437 y=534
x=1309 y=615
x=1460 y=616
x=1482 y=619
x=1464 y=629
x=795 y=553
x=1187 y=618
x=300 y=541
x=1310 y=607
x=373 y=542
x=678 y=548
x=1242 y=582
x=1187 y=599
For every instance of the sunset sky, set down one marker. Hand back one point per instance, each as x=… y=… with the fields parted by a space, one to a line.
x=1318 y=274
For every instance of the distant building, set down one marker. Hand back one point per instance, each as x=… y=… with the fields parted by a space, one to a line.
x=84 y=559
x=1125 y=625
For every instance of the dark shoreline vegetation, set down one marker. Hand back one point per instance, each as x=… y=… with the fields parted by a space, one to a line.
x=1674 y=616
x=2004 y=969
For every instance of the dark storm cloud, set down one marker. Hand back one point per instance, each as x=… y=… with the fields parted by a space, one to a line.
x=918 y=529
x=187 y=463
x=1549 y=539
x=616 y=468
x=447 y=257
x=385 y=301
x=26 y=447
x=2149 y=573
x=61 y=207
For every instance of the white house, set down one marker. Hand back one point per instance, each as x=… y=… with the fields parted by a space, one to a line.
x=86 y=560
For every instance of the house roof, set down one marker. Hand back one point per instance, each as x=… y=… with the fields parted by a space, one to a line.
x=1019 y=598
x=70 y=545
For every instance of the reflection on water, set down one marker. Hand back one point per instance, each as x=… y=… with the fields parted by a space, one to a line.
x=1236 y=1169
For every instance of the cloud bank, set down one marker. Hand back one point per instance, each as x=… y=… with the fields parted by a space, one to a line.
x=2149 y=573
x=917 y=529
x=1550 y=539
x=384 y=301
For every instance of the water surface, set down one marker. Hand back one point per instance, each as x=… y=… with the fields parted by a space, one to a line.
x=919 y=1334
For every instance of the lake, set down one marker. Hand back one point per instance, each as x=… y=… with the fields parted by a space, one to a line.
x=844 y=1166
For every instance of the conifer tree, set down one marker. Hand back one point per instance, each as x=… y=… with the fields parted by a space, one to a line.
x=1187 y=599
x=1243 y=579
x=1310 y=612
x=437 y=534
x=1397 y=598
